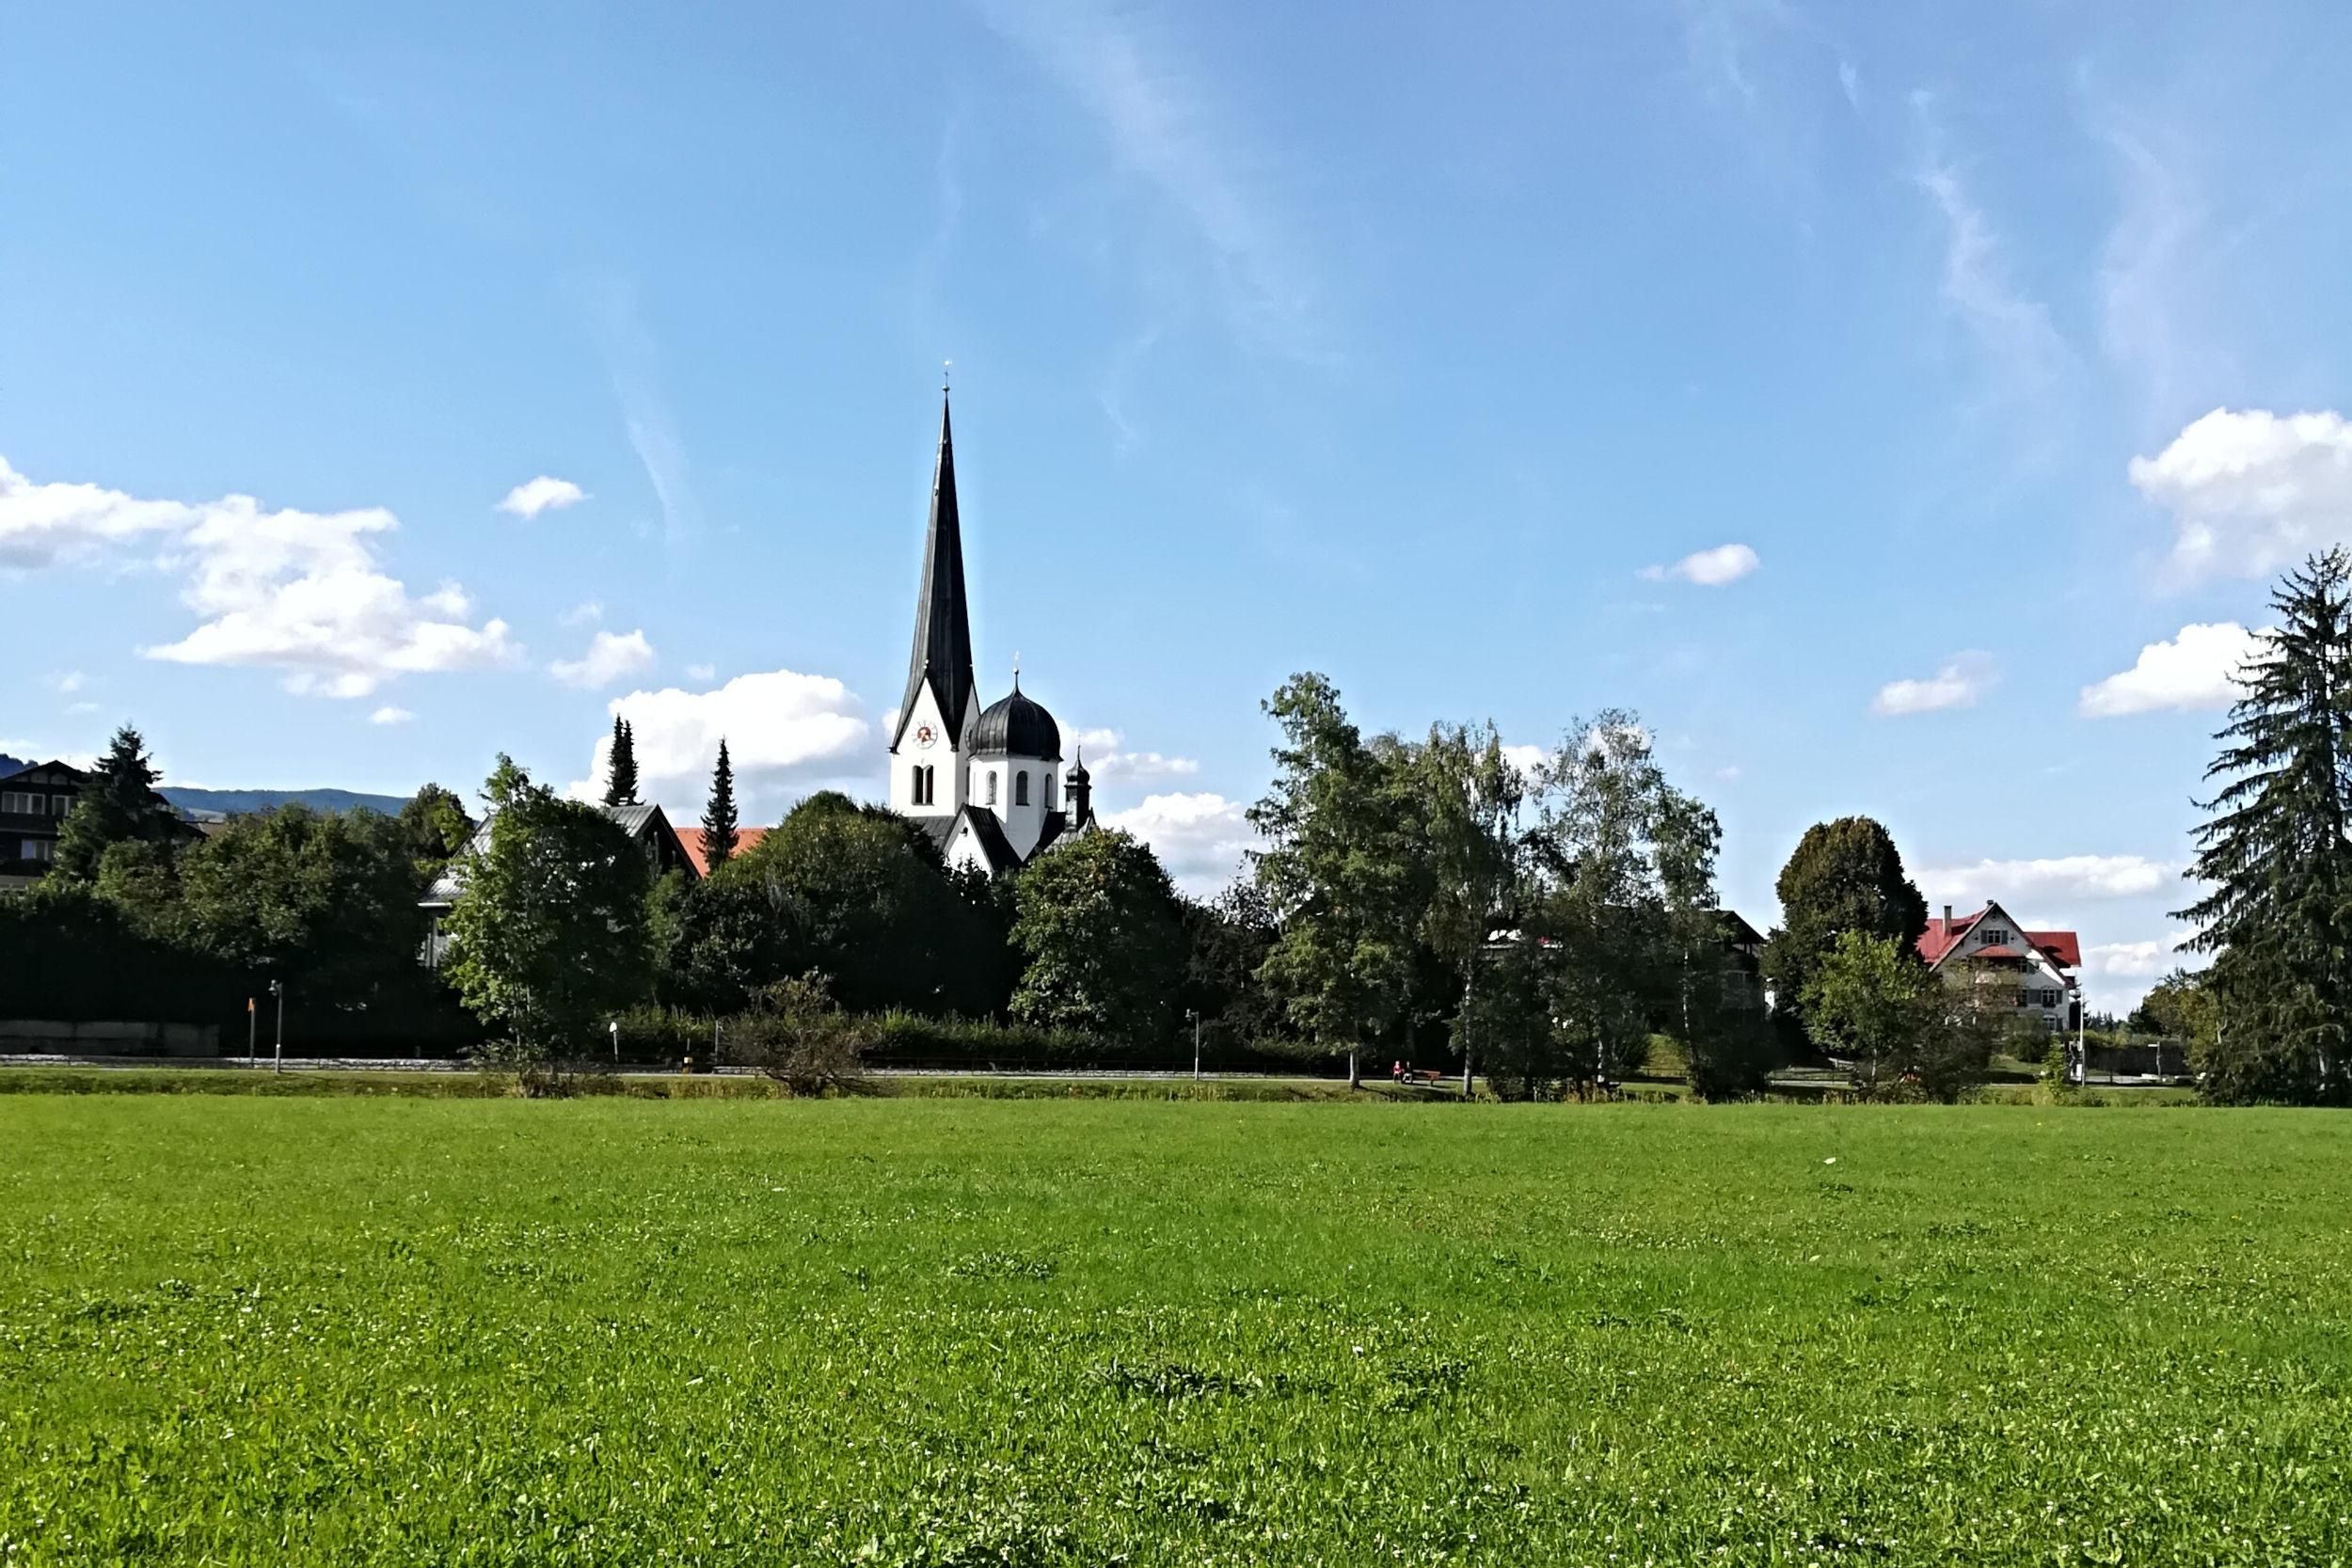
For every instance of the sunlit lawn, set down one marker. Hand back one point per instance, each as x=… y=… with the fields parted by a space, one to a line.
x=257 y=1331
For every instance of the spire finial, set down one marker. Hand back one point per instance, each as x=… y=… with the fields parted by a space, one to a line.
x=1016 y=672
x=945 y=365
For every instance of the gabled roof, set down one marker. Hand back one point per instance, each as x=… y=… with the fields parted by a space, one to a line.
x=942 y=656
x=995 y=846
x=690 y=840
x=643 y=823
x=2063 y=949
x=52 y=766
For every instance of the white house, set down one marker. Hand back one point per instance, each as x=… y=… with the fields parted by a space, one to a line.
x=2029 y=973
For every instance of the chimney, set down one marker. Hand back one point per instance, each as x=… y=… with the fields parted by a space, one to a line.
x=1947 y=917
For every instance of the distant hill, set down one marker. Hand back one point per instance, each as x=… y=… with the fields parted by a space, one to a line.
x=239 y=802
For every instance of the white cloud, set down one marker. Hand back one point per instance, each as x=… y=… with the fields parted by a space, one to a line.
x=1112 y=762
x=2058 y=881
x=2136 y=960
x=1958 y=682
x=42 y=525
x=1201 y=839
x=66 y=682
x=544 y=494
x=1707 y=568
x=610 y=657
x=586 y=612
x=300 y=592
x=2197 y=669
x=1526 y=760
x=707 y=672
x=388 y=715
x=780 y=727
x=2253 y=492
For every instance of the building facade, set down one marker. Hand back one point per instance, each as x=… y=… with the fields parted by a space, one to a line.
x=33 y=800
x=2027 y=973
x=987 y=783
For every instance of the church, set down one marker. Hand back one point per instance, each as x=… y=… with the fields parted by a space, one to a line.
x=987 y=783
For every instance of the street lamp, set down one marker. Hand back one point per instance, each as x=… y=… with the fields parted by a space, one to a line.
x=1194 y=1014
x=278 y=1048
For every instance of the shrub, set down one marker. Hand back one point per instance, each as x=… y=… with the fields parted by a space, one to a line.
x=801 y=1038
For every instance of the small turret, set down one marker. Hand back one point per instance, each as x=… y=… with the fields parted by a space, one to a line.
x=1079 y=786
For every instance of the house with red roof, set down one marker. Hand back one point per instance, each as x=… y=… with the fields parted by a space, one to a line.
x=690 y=840
x=2031 y=973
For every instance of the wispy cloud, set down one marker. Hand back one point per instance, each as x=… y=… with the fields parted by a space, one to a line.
x=610 y=656
x=390 y=715
x=2025 y=359
x=633 y=362
x=1167 y=125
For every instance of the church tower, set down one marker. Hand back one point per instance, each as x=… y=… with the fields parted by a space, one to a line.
x=937 y=714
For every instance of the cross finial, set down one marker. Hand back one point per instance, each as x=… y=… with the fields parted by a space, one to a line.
x=1016 y=672
x=945 y=365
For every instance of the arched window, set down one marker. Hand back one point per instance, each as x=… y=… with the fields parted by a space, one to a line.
x=1021 y=787
x=991 y=786
x=926 y=785
x=1049 y=790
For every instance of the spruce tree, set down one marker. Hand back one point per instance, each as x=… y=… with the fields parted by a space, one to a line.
x=2275 y=857
x=119 y=805
x=621 y=778
x=718 y=815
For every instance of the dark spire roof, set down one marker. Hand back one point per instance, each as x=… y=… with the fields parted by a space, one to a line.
x=1078 y=774
x=943 y=624
x=1015 y=726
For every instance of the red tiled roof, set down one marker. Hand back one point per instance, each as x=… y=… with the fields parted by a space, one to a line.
x=1941 y=936
x=690 y=840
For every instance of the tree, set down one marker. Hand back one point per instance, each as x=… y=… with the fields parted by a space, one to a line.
x=1471 y=796
x=1101 y=933
x=436 y=826
x=548 y=934
x=119 y=805
x=2275 y=854
x=716 y=941
x=718 y=815
x=1843 y=875
x=1871 y=1002
x=620 y=787
x=1227 y=939
x=859 y=893
x=1619 y=924
x=324 y=900
x=1338 y=871
x=2180 y=1007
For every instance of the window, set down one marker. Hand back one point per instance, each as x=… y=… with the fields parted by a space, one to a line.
x=1996 y=939
x=991 y=786
x=36 y=850
x=1049 y=791
x=926 y=787
x=60 y=804
x=1021 y=787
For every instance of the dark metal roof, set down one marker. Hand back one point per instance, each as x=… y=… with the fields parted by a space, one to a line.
x=943 y=624
x=1014 y=726
x=991 y=833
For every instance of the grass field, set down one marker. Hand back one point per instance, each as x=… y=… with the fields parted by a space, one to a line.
x=962 y=1332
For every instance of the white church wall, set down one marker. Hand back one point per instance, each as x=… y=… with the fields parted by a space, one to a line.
x=941 y=757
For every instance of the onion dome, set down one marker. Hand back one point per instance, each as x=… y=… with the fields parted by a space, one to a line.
x=1076 y=776
x=1014 y=726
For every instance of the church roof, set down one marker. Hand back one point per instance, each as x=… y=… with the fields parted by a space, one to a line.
x=1016 y=726
x=943 y=624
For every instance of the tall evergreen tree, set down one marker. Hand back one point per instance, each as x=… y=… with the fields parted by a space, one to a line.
x=119 y=806
x=718 y=815
x=620 y=787
x=2275 y=857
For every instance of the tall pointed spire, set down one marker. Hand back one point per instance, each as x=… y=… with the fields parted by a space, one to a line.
x=943 y=624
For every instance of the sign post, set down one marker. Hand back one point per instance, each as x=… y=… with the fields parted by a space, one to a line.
x=250 y=1024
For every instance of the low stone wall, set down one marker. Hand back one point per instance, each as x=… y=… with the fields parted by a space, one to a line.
x=50 y=1037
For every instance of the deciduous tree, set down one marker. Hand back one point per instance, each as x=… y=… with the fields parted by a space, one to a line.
x=1102 y=939
x=1843 y=875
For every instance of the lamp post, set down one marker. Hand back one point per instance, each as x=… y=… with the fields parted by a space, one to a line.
x=1194 y=1014
x=278 y=1048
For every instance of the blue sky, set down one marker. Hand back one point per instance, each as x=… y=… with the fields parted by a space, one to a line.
x=1979 y=365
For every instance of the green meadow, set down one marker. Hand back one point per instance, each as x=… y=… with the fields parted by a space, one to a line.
x=250 y=1330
